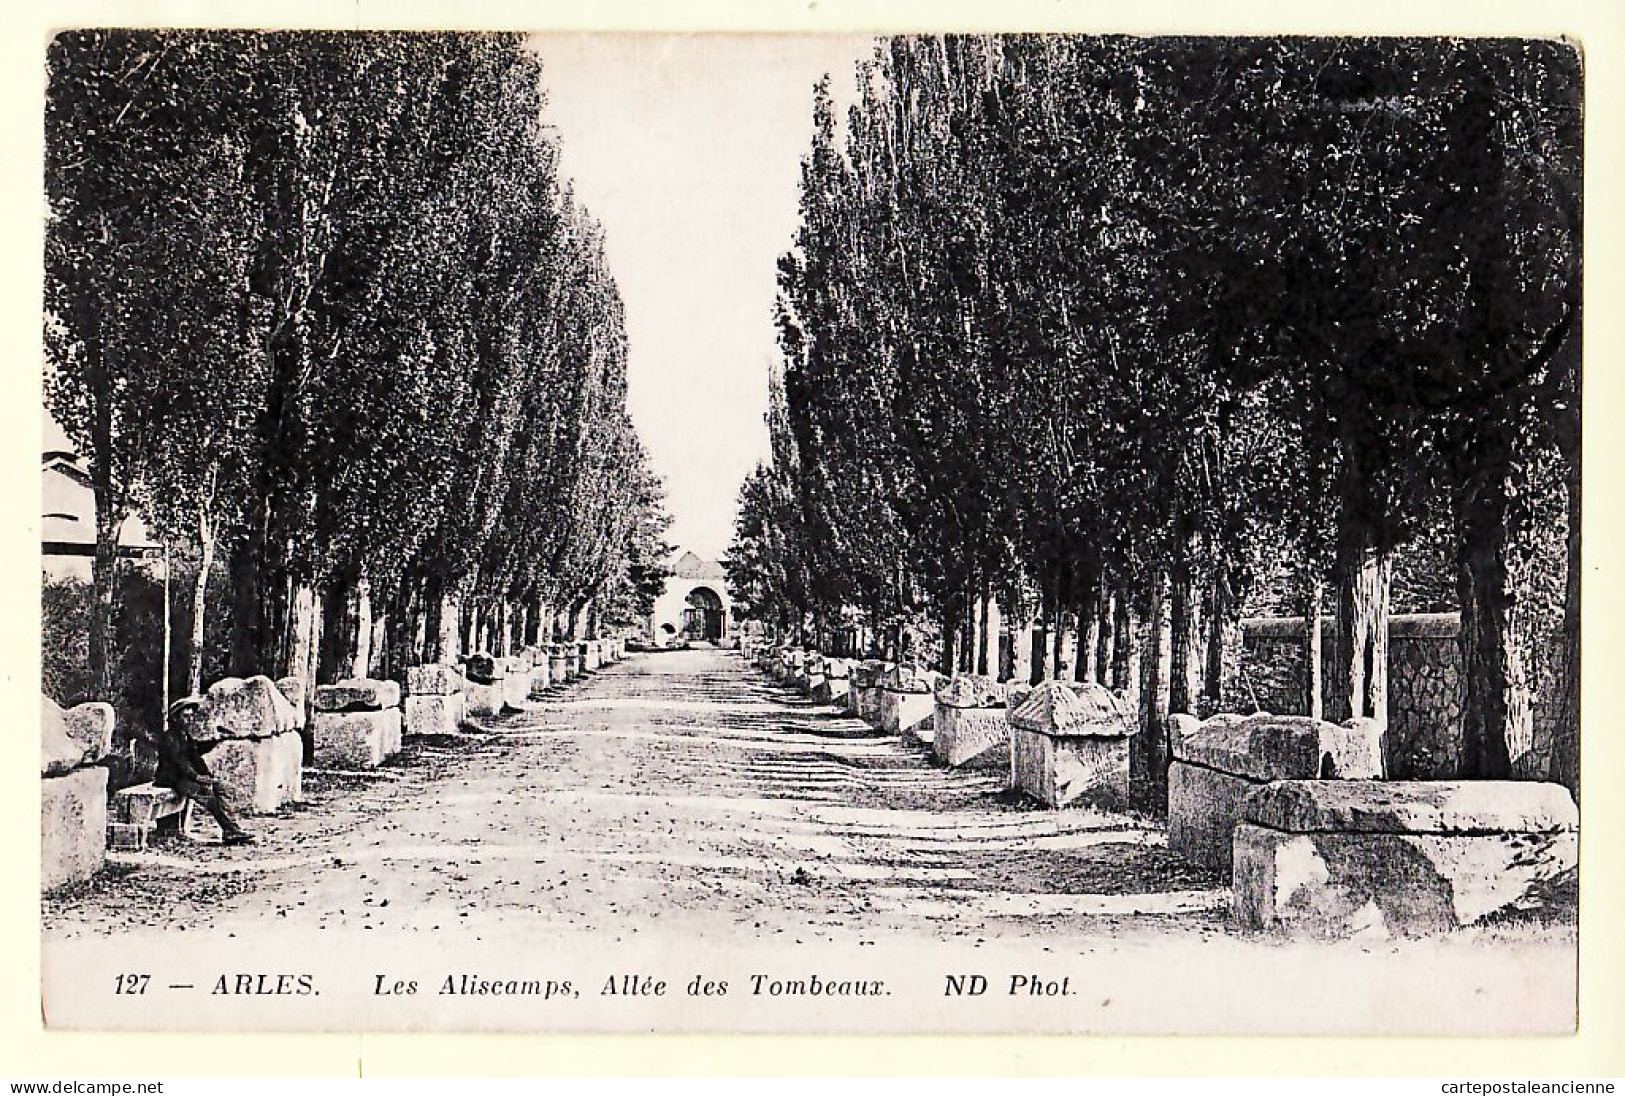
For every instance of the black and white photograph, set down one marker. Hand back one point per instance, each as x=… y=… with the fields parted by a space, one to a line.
x=849 y=533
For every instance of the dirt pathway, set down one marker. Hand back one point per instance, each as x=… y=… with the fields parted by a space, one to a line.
x=675 y=792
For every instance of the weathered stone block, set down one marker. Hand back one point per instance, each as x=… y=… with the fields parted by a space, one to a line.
x=832 y=690
x=909 y=714
x=358 y=695
x=74 y=737
x=481 y=668
x=258 y=775
x=145 y=804
x=1413 y=806
x=433 y=679
x=1070 y=744
x=516 y=689
x=356 y=739
x=434 y=715
x=1372 y=858
x=965 y=734
x=1219 y=761
x=73 y=826
x=1267 y=747
x=484 y=699
x=1058 y=772
x=558 y=668
x=1204 y=807
x=293 y=689
x=541 y=679
x=246 y=708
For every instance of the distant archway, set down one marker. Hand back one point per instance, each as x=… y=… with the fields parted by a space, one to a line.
x=703 y=616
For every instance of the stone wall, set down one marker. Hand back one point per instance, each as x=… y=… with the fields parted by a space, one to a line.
x=1423 y=741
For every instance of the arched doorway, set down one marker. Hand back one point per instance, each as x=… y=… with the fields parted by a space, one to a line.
x=702 y=619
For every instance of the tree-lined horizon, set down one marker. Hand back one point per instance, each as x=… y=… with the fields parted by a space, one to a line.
x=1127 y=335
x=319 y=306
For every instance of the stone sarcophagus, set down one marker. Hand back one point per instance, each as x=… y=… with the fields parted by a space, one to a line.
x=434 y=699
x=487 y=684
x=558 y=664
x=866 y=687
x=795 y=667
x=357 y=723
x=906 y=705
x=540 y=677
x=1331 y=859
x=1069 y=743
x=1217 y=763
x=516 y=683
x=969 y=718
x=249 y=735
x=73 y=791
x=837 y=682
x=812 y=673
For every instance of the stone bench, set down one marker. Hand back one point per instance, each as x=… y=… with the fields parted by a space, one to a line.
x=1217 y=763
x=434 y=699
x=1069 y=743
x=138 y=812
x=969 y=721
x=357 y=723
x=1368 y=858
x=907 y=707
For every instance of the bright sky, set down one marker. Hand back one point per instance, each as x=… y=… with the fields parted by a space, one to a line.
x=688 y=150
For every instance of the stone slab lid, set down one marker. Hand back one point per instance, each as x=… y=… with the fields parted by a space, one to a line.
x=433 y=679
x=1412 y=806
x=968 y=691
x=904 y=678
x=251 y=707
x=1072 y=710
x=1284 y=747
x=360 y=694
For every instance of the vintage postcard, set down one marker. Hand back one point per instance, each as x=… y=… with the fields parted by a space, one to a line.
x=924 y=533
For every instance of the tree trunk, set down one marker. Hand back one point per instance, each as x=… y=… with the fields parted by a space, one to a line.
x=1313 y=701
x=1566 y=732
x=1088 y=606
x=200 y=592
x=1221 y=646
x=446 y=642
x=1105 y=633
x=104 y=586
x=336 y=623
x=1151 y=743
x=1183 y=672
x=1123 y=651
x=247 y=567
x=1496 y=718
x=950 y=636
x=1363 y=588
x=361 y=663
x=1058 y=660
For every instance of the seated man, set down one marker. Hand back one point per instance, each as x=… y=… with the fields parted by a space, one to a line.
x=181 y=768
